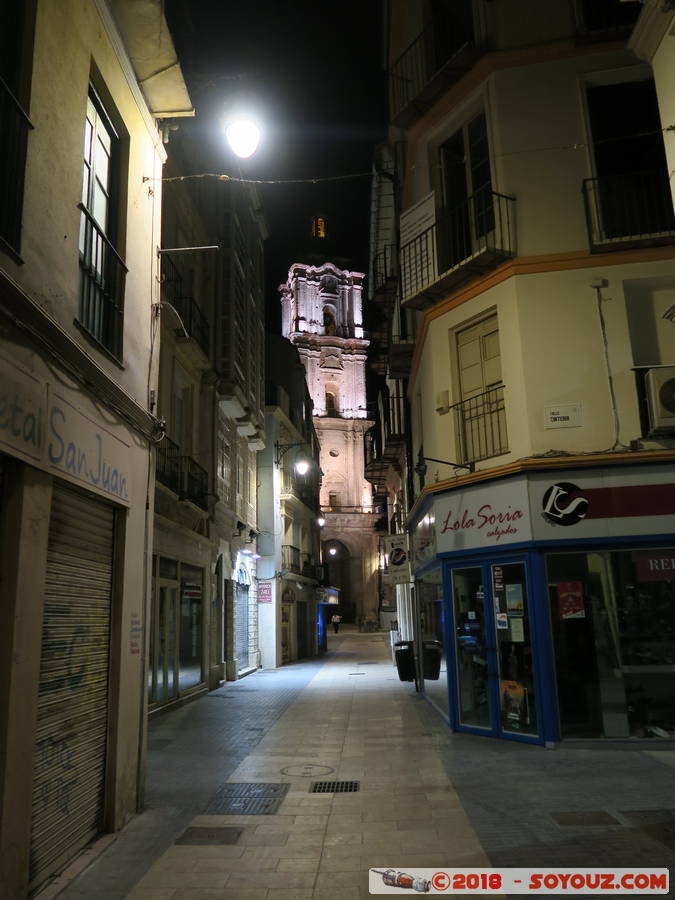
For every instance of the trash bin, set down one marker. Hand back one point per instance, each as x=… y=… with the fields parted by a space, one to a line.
x=405 y=660
x=431 y=659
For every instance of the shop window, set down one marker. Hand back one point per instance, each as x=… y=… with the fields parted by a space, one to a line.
x=613 y=618
x=190 y=635
x=430 y=596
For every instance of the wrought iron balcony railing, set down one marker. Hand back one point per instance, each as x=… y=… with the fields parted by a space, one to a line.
x=175 y=294
x=629 y=210
x=14 y=128
x=426 y=67
x=290 y=558
x=480 y=422
x=181 y=474
x=168 y=464
x=385 y=268
x=102 y=278
x=194 y=483
x=467 y=240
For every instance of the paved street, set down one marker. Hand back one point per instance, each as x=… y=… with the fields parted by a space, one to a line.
x=426 y=797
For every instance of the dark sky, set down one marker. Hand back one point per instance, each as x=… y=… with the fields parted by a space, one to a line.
x=314 y=70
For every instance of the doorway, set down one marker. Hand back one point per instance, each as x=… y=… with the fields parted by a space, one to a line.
x=494 y=688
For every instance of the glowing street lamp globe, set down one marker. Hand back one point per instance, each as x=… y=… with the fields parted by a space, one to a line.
x=243 y=136
x=302 y=466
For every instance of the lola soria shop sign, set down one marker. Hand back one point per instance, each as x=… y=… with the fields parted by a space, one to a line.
x=483 y=516
x=41 y=426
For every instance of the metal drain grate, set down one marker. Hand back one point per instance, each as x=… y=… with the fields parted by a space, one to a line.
x=247 y=799
x=335 y=787
x=202 y=837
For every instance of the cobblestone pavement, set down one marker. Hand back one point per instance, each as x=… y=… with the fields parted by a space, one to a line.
x=426 y=798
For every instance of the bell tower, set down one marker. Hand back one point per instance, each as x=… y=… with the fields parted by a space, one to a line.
x=321 y=316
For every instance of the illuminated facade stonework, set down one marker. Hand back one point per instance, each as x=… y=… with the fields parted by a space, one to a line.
x=321 y=316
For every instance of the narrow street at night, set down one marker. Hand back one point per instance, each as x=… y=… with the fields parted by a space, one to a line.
x=425 y=798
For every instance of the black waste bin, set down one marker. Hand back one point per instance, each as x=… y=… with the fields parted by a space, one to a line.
x=431 y=659
x=405 y=660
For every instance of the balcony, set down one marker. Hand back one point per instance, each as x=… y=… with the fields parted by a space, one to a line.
x=310 y=569
x=385 y=273
x=194 y=483
x=290 y=558
x=14 y=128
x=102 y=279
x=167 y=469
x=297 y=486
x=480 y=423
x=401 y=351
x=424 y=71
x=625 y=211
x=182 y=475
x=466 y=242
x=193 y=325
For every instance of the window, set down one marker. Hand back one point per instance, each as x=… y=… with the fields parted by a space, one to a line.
x=480 y=417
x=319 y=227
x=328 y=321
x=331 y=404
x=604 y=15
x=102 y=270
x=468 y=215
x=16 y=24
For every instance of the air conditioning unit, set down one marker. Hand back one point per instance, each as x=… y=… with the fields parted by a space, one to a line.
x=660 y=385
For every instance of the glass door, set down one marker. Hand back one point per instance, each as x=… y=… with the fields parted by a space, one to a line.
x=517 y=706
x=471 y=648
x=167 y=682
x=495 y=680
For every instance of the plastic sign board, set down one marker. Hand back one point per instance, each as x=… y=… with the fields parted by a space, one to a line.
x=397 y=570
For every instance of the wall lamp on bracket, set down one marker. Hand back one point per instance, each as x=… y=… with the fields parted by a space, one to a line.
x=421 y=467
x=239 y=530
x=302 y=462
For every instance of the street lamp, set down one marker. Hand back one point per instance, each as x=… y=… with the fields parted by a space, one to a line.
x=243 y=135
x=302 y=463
x=321 y=521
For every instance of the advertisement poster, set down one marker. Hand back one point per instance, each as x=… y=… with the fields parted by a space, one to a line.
x=264 y=592
x=515 y=708
x=397 y=570
x=514 y=599
x=517 y=630
x=502 y=620
x=571 y=600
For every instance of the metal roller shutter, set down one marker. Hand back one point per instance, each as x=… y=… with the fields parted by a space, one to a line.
x=70 y=755
x=241 y=626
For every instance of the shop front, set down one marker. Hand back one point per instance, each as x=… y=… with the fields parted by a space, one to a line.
x=553 y=594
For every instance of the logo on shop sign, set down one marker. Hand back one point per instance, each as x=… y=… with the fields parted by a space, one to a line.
x=562 y=507
x=398 y=556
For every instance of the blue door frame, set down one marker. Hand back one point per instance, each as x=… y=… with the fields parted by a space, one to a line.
x=540 y=638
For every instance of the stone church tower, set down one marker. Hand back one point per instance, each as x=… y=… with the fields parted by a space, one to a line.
x=321 y=316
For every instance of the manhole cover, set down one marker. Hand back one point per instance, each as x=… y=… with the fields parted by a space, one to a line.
x=335 y=787
x=251 y=789
x=244 y=806
x=589 y=817
x=209 y=836
x=307 y=771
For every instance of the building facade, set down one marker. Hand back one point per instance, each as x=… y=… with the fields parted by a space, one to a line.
x=204 y=624
x=290 y=619
x=79 y=226
x=536 y=268
x=321 y=316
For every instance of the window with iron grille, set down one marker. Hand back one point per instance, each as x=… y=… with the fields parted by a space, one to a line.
x=102 y=270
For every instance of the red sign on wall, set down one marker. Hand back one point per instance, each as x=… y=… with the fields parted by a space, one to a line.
x=571 y=600
x=655 y=565
x=264 y=592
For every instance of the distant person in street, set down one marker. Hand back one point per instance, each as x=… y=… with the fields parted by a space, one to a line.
x=336 y=622
x=360 y=621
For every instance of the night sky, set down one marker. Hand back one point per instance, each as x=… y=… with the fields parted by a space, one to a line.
x=314 y=71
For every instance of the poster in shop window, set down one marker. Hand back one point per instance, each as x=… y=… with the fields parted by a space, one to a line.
x=571 y=600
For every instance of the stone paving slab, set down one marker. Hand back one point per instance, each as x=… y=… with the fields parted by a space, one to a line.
x=427 y=798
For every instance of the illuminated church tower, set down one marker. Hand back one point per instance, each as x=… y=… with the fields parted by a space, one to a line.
x=321 y=316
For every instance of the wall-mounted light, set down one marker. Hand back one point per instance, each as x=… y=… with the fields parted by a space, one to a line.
x=321 y=521
x=332 y=551
x=302 y=462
